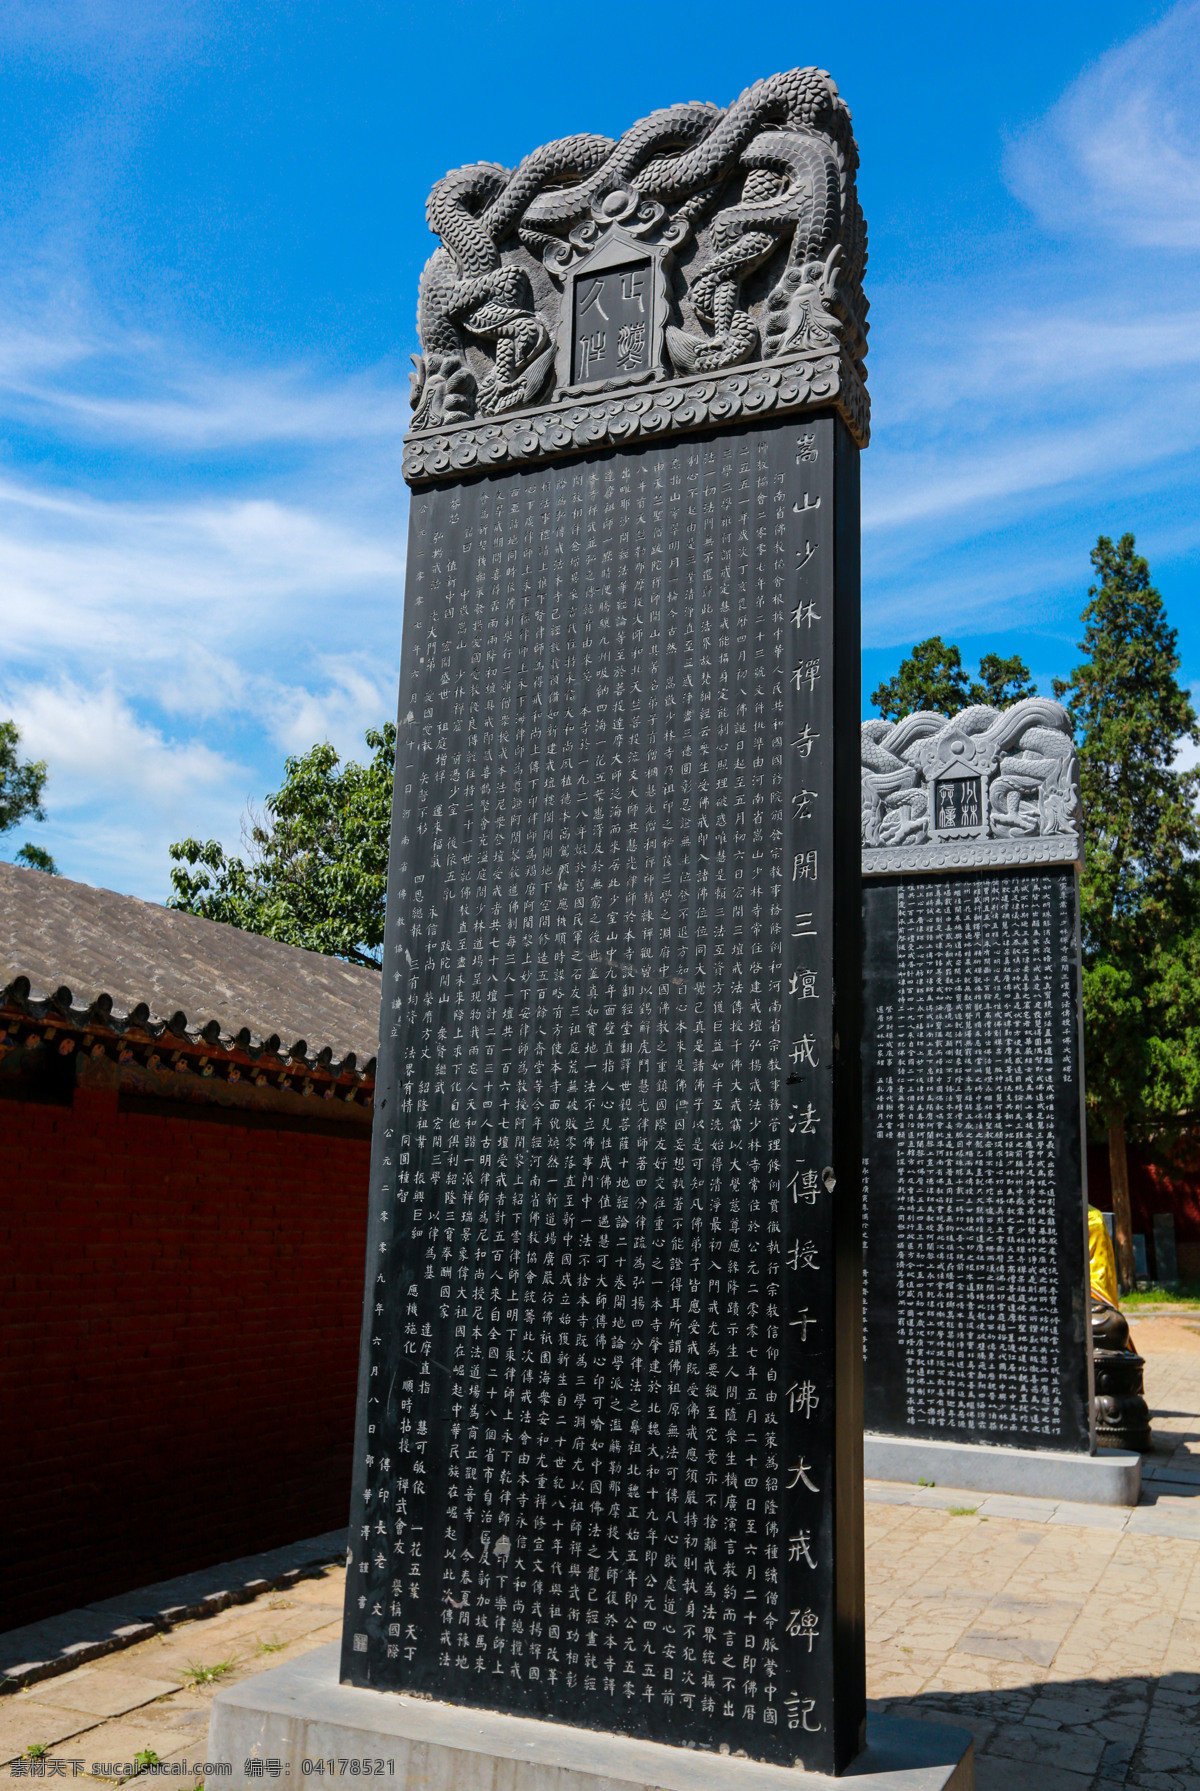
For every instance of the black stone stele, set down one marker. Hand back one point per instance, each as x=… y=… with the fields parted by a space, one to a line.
x=607 y=1449
x=976 y=1315
x=609 y=1445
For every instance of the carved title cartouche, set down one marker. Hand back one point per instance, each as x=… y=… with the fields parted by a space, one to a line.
x=988 y=786
x=701 y=240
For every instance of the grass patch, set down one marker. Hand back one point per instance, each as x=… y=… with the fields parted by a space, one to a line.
x=37 y=1750
x=271 y=1647
x=145 y=1757
x=924 y=1482
x=199 y=1674
x=1185 y=1294
x=963 y=1510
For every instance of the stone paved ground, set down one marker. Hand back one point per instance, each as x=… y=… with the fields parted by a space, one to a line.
x=1067 y=1638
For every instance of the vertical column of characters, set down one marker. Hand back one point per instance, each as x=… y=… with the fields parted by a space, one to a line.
x=535 y=665
x=721 y=1404
x=419 y=1417
x=704 y=1202
x=969 y=1187
x=384 y=1587
x=884 y=1102
x=570 y=1331
x=807 y=1413
x=561 y=1279
x=452 y=1268
x=491 y=1547
x=464 y=1489
x=1034 y=937
x=756 y=1281
x=908 y=1053
x=1076 y=1382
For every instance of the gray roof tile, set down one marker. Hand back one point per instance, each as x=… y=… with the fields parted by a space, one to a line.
x=91 y=952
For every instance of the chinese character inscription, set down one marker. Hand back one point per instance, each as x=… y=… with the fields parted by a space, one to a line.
x=613 y=318
x=596 y=1400
x=972 y=1147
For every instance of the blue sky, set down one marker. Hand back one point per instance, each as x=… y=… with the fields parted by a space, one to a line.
x=211 y=227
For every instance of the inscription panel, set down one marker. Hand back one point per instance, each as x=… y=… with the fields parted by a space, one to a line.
x=975 y=1309
x=957 y=805
x=613 y=317
x=594 y=1474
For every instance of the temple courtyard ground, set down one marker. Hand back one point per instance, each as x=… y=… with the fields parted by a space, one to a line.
x=1066 y=1638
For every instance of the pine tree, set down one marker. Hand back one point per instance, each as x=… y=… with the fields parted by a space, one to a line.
x=1139 y=893
x=1002 y=681
x=932 y=677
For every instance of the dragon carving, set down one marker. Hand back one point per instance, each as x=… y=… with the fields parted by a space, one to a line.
x=757 y=202
x=1024 y=756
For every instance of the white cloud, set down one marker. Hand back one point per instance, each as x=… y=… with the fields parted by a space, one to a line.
x=157 y=582
x=1054 y=392
x=356 y=694
x=163 y=652
x=95 y=743
x=1118 y=157
x=119 y=790
x=119 y=386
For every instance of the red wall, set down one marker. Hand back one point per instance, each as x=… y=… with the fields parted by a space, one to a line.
x=179 y=1314
x=1155 y=1188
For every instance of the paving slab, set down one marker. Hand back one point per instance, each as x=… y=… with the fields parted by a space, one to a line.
x=97 y=1694
x=1092 y=1616
x=58 y=1644
x=1090 y=1517
x=25 y=1725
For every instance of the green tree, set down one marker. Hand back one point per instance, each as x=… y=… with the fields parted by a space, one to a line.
x=933 y=678
x=36 y=858
x=1139 y=897
x=21 y=784
x=1002 y=681
x=316 y=871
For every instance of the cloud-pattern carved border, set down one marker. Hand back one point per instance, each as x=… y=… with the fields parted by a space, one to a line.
x=644 y=413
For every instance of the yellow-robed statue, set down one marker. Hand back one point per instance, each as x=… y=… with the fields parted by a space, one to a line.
x=1102 y=1260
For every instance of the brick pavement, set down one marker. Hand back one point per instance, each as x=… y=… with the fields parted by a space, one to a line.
x=1066 y=1638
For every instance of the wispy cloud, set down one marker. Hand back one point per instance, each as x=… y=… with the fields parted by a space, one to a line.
x=94 y=739
x=128 y=388
x=119 y=787
x=165 y=650
x=1118 y=158
x=87 y=576
x=1056 y=391
x=85 y=31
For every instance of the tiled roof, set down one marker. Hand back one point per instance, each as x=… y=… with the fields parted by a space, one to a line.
x=113 y=962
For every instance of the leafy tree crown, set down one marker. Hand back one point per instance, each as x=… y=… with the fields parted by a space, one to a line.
x=933 y=678
x=21 y=781
x=315 y=873
x=21 y=784
x=1140 y=894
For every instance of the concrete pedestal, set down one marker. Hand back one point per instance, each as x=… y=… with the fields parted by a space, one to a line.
x=1110 y=1477
x=299 y=1713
